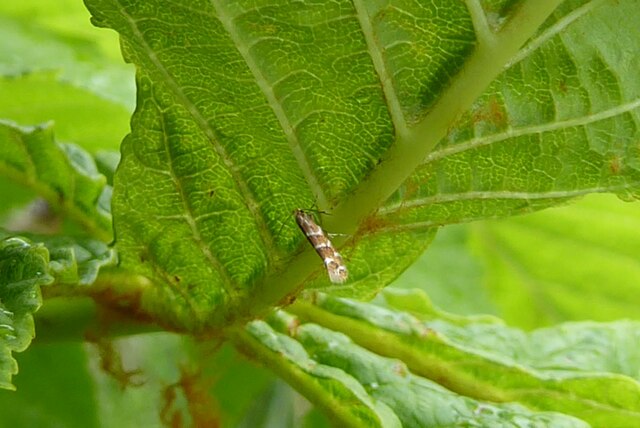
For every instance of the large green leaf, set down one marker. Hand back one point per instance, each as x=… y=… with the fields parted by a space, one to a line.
x=450 y=273
x=571 y=368
x=63 y=174
x=559 y=122
x=23 y=269
x=248 y=110
x=358 y=388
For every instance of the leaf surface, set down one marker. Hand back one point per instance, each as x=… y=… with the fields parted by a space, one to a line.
x=249 y=110
x=356 y=387
x=571 y=368
x=451 y=274
x=45 y=371
x=558 y=123
x=80 y=116
x=573 y=263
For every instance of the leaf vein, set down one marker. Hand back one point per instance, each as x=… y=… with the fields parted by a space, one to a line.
x=385 y=76
x=480 y=24
x=531 y=130
x=202 y=123
x=266 y=88
x=227 y=282
x=502 y=194
x=560 y=25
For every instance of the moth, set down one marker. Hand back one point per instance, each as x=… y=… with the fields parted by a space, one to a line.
x=315 y=235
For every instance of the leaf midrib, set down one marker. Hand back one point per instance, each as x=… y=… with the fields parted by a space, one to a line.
x=482 y=67
x=288 y=128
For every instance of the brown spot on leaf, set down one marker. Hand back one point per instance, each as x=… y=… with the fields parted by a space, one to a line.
x=615 y=164
x=492 y=112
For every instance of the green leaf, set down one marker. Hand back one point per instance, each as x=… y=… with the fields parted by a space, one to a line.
x=575 y=262
x=241 y=388
x=79 y=115
x=248 y=111
x=71 y=261
x=571 y=368
x=597 y=242
x=44 y=397
x=57 y=38
x=107 y=161
x=274 y=408
x=13 y=195
x=356 y=387
x=450 y=274
x=77 y=261
x=64 y=174
x=23 y=269
x=326 y=386
x=558 y=123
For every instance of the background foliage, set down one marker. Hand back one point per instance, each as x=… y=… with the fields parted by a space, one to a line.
x=559 y=123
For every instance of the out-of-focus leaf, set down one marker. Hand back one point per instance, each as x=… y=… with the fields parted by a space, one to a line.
x=356 y=387
x=138 y=381
x=53 y=390
x=238 y=384
x=450 y=274
x=13 y=196
x=316 y=419
x=65 y=175
x=57 y=37
x=77 y=261
x=273 y=409
x=574 y=263
x=23 y=269
x=107 y=161
x=80 y=116
x=571 y=368
x=72 y=261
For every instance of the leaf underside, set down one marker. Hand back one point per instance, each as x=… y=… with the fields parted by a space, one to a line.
x=561 y=369
x=392 y=365
x=570 y=368
x=249 y=110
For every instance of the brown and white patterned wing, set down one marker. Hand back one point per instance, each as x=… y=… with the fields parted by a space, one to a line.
x=333 y=262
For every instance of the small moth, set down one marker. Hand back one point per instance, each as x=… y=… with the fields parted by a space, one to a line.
x=315 y=235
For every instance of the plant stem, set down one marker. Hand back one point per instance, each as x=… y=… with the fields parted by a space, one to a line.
x=410 y=149
x=63 y=319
